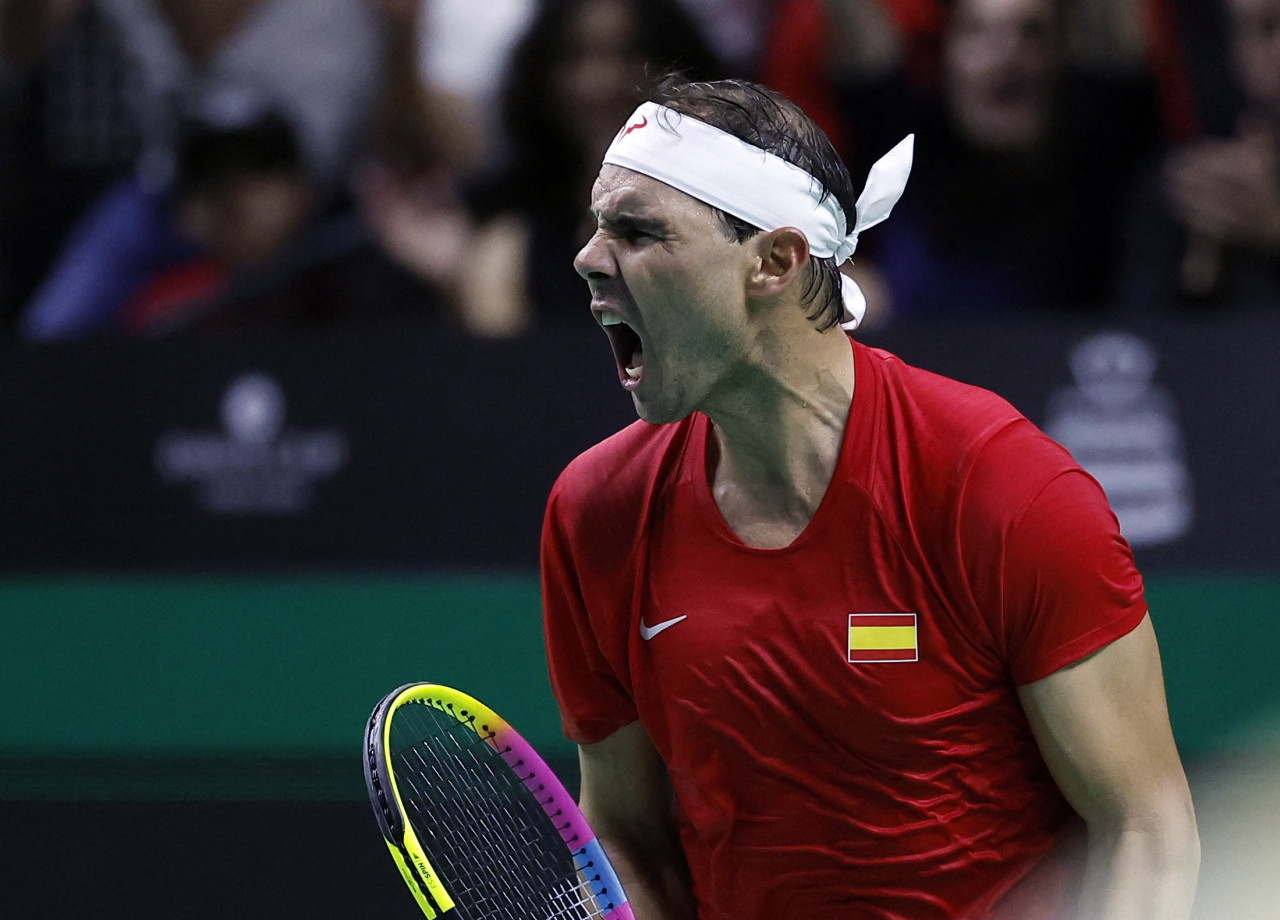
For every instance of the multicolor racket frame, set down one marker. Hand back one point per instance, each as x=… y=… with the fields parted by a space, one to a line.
x=595 y=889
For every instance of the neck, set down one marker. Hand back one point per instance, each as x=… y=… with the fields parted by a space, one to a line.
x=776 y=444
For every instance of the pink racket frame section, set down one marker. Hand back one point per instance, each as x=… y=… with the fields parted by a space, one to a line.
x=562 y=811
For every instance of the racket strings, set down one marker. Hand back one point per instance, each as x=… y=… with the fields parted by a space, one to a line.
x=486 y=831
x=509 y=863
x=497 y=783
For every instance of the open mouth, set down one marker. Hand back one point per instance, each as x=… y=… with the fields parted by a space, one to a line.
x=628 y=350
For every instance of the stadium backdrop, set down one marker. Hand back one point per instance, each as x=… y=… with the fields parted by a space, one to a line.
x=217 y=554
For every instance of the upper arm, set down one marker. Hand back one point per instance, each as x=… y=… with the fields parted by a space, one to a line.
x=1043 y=561
x=1102 y=725
x=627 y=799
x=625 y=789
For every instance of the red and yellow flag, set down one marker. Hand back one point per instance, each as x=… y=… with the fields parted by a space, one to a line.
x=883 y=637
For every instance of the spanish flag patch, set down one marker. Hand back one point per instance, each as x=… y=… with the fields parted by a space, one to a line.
x=883 y=637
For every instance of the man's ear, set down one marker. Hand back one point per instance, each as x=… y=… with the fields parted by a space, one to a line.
x=781 y=258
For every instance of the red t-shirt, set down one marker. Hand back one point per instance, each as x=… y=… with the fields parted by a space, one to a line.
x=839 y=717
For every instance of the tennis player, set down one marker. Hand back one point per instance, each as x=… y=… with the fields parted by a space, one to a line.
x=836 y=637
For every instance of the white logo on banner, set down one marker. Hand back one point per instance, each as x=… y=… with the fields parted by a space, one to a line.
x=255 y=465
x=1125 y=432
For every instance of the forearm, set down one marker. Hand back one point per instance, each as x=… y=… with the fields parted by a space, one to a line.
x=1141 y=871
x=654 y=876
x=627 y=798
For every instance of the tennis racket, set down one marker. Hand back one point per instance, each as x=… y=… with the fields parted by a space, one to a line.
x=478 y=824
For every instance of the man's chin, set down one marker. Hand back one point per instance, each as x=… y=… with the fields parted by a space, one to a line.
x=658 y=414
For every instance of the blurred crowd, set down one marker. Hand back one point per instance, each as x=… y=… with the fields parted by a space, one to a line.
x=170 y=167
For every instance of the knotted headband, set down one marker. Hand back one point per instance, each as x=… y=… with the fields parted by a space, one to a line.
x=759 y=187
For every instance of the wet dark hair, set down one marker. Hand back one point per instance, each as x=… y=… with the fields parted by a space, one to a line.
x=768 y=120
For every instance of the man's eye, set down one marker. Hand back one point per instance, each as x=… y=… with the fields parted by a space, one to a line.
x=636 y=235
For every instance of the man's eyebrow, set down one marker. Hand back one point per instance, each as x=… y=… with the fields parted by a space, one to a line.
x=624 y=217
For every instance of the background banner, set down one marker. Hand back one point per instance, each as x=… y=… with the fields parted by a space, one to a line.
x=433 y=451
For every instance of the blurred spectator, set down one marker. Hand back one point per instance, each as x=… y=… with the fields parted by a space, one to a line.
x=240 y=193
x=463 y=56
x=268 y=247
x=433 y=128
x=736 y=30
x=1031 y=117
x=573 y=79
x=1023 y=162
x=244 y=237
x=315 y=64
x=426 y=218
x=430 y=112
x=1206 y=227
x=66 y=131
x=815 y=46
x=319 y=60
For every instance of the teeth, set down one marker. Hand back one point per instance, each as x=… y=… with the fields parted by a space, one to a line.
x=610 y=319
x=634 y=372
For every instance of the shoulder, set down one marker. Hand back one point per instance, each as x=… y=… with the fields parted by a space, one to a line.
x=947 y=447
x=925 y=411
x=621 y=474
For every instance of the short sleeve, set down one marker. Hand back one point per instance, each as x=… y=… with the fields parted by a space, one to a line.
x=1070 y=582
x=593 y=699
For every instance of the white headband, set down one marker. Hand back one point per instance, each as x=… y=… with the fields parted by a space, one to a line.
x=753 y=185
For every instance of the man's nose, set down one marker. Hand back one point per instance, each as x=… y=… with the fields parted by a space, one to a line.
x=593 y=260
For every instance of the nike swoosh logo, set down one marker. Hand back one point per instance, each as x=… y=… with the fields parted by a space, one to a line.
x=648 y=632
